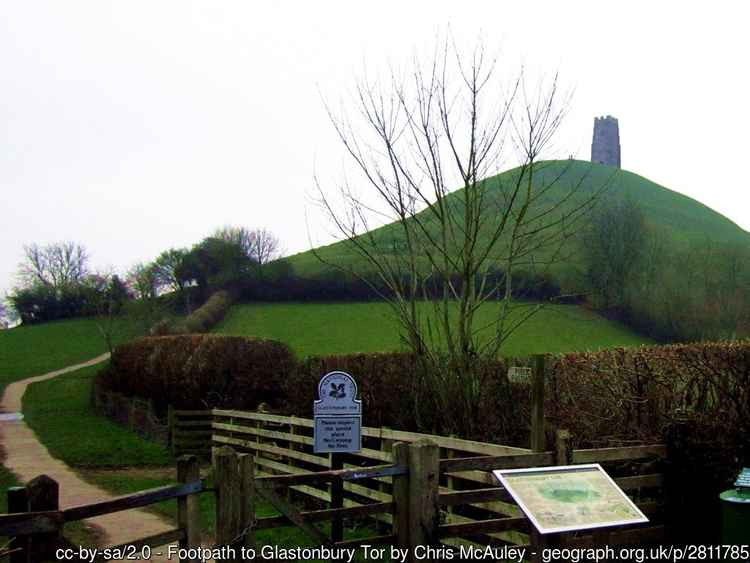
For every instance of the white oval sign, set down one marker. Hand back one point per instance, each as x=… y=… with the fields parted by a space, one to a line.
x=337 y=395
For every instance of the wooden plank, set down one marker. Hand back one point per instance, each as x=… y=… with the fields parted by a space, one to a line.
x=359 y=511
x=395 y=435
x=372 y=540
x=307 y=478
x=281 y=452
x=272 y=434
x=617 y=454
x=366 y=453
x=18 y=546
x=487 y=463
x=188 y=514
x=246 y=468
x=264 y=417
x=291 y=512
x=164 y=538
x=538 y=434
x=228 y=501
x=640 y=481
x=457 y=444
x=136 y=500
x=482 y=477
x=192 y=424
x=337 y=499
x=482 y=527
x=424 y=478
x=473 y=496
x=25 y=523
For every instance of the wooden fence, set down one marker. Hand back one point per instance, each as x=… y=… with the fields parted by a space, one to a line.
x=35 y=521
x=415 y=493
x=472 y=506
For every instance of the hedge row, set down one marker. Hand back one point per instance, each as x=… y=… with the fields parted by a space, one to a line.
x=617 y=396
x=208 y=315
x=199 y=371
x=636 y=393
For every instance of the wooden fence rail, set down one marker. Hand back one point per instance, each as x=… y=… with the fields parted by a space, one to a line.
x=35 y=521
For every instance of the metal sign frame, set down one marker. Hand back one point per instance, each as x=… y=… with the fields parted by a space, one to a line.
x=501 y=473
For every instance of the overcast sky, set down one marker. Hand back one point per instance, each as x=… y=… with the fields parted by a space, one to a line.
x=134 y=126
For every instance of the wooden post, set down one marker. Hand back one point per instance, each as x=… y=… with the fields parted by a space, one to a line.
x=601 y=539
x=386 y=446
x=563 y=448
x=538 y=439
x=247 y=496
x=44 y=494
x=228 y=501
x=18 y=501
x=337 y=499
x=401 y=496
x=170 y=428
x=188 y=515
x=424 y=515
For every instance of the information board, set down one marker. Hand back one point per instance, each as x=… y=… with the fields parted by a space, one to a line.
x=568 y=498
x=338 y=415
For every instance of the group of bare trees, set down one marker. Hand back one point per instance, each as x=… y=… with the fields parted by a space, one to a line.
x=426 y=147
x=56 y=280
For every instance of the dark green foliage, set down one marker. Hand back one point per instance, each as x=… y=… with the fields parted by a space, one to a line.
x=200 y=371
x=215 y=264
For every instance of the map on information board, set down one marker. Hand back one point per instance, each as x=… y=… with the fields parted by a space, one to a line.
x=568 y=498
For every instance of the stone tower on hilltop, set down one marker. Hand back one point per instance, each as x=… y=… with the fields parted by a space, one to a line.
x=605 y=147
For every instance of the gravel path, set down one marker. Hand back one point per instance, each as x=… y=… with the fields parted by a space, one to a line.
x=27 y=458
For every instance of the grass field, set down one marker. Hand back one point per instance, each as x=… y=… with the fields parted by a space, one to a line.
x=108 y=455
x=680 y=219
x=345 y=328
x=59 y=411
x=36 y=349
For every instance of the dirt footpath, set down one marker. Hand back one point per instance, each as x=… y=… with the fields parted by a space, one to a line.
x=27 y=458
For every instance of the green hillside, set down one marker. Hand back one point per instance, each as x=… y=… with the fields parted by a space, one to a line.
x=346 y=328
x=37 y=349
x=679 y=218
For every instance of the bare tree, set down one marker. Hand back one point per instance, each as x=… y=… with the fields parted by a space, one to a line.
x=55 y=265
x=448 y=125
x=259 y=245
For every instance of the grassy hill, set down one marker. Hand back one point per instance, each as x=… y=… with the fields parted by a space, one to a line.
x=37 y=349
x=679 y=218
x=346 y=328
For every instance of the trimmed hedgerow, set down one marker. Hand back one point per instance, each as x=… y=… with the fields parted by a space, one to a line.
x=634 y=394
x=200 y=371
x=394 y=394
x=205 y=317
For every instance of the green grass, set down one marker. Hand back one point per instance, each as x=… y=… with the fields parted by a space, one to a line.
x=36 y=349
x=678 y=218
x=59 y=411
x=122 y=483
x=345 y=328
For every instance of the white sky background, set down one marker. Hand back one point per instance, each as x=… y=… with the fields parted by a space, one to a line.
x=136 y=126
